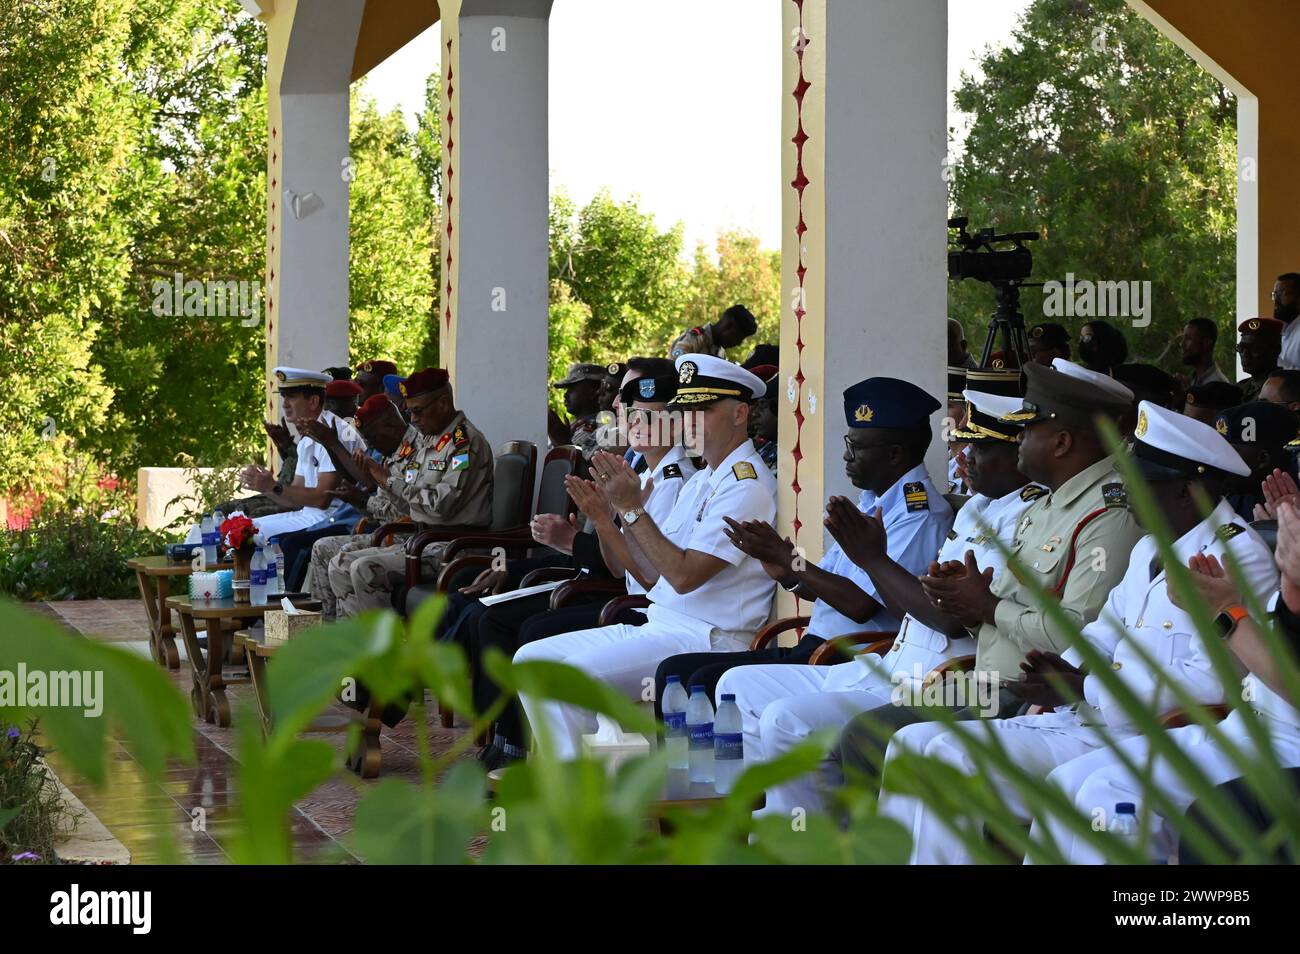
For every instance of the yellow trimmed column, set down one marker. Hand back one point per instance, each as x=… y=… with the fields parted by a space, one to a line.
x=496 y=191
x=863 y=209
x=310 y=48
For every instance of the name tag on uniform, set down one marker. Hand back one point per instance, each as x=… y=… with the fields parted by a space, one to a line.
x=437 y=465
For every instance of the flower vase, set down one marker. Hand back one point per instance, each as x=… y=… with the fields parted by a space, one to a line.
x=243 y=559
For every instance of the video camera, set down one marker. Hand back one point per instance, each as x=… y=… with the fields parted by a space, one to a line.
x=977 y=256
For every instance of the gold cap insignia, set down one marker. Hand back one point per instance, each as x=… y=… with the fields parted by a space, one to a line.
x=686 y=372
x=1221 y=425
x=281 y=376
x=1191 y=398
x=1037 y=332
x=401 y=386
x=1252 y=325
x=863 y=414
x=1141 y=429
x=612 y=368
x=999 y=363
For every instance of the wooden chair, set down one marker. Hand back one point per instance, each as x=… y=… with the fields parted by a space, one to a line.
x=834 y=650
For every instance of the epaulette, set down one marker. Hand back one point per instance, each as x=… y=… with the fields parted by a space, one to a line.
x=672 y=470
x=743 y=471
x=916 y=497
x=952 y=534
x=1114 y=495
x=1228 y=531
x=460 y=437
x=1032 y=492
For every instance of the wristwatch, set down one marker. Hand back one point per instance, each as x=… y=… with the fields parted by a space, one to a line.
x=278 y=488
x=789 y=588
x=632 y=516
x=1227 y=620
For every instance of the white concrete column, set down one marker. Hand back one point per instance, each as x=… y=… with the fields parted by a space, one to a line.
x=310 y=51
x=864 y=275
x=496 y=197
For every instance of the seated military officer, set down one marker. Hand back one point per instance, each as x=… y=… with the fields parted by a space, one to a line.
x=341 y=398
x=581 y=387
x=370 y=375
x=447 y=482
x=709 y=595
x=782 y=705
x=888 y=436
x=396 y=442
x=1205 y=402
x=1076 y=540
x=1151 y=646
x=1259 y=432
x=307 y=499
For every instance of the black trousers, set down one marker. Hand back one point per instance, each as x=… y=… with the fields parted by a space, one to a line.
x=1257 y=816
x=705 y=669
x=296 y=548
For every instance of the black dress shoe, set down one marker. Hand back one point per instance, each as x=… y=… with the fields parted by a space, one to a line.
x=489 y=753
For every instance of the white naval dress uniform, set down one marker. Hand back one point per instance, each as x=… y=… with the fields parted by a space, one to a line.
x=1138 y=613
x=1100 y=781
x=670 y=476
x=721 y=615
x=782 y=705
x=313 y=460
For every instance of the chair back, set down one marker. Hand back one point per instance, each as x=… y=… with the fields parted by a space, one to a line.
x=1268 y=530
x=553 y=496
x=512 y=484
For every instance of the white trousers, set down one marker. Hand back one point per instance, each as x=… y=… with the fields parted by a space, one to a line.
x=273 y=524
x=780 y=706
x=1036 y=744
x=624 y=656
x=1098 y=782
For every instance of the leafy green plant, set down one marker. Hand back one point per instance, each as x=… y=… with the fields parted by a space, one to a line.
x=32 y=809
x=206 y=490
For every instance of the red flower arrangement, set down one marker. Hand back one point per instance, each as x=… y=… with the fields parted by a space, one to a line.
x=237 y=532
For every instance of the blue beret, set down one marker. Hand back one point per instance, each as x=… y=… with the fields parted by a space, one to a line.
x=887 y=402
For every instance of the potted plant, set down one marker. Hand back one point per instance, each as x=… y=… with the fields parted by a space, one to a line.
x=238 y=534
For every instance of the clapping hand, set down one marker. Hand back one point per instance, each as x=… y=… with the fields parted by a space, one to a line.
x=1210 y=578
x=1048 y=680
x=861 y=537
x=759 y=540
x=618 y=481
x=963 y=593
x=1277 y=487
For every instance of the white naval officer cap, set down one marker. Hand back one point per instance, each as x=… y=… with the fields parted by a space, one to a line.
x=1168 y=445
x=1103 y=382
x=287 y=377
x=704 y=378
x=994 y=405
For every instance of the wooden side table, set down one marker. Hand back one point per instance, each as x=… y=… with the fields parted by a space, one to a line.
x=154 y=574
x=363 y=758
x=208 y=694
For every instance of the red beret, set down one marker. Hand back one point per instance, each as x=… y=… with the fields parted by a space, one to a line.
x=379 y=368
x=763 y=371
x=342 y=389
x=422 y=382
x=373 y=406
x=1260 y=326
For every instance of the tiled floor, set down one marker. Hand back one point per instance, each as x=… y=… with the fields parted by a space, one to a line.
x=136 y=809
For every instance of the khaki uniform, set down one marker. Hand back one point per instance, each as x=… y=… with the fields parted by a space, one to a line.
x=1076 y=541
x=695 y=341
x=446 y=483
x=382 y=507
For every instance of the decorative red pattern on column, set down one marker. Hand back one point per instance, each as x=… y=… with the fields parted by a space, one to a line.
x=448 y=187
x=799 y=184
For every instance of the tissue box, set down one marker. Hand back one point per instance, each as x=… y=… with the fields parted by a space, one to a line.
x=212 y=586
x=611 y=745
x=281 y=626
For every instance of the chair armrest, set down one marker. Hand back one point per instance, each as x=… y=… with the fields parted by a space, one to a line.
x=955 y=664
x=618 y=605
x=416 y=546
x=546 y=574
x=515 y=538
x=361 y=526
x=837 y=649
x=566 y=593
x=1177 y=718
x=389 y=530
x=451 y=570
x=775 y=628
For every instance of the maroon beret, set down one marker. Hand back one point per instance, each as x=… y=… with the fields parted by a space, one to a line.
x=422 y=382
x=379 y=368
x=342 y=389
x=373 y=406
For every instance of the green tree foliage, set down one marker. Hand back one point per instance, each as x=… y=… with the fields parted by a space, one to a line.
x=1097 y=131
x=391 y=232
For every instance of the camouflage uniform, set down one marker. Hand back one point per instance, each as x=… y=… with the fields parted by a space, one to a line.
x=382 y=507
x=695 y=341
x=448 y=483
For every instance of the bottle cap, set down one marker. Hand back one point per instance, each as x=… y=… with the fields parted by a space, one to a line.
x=697 y=688
x=1125 y=808
x=673 y=679
x=728 y=697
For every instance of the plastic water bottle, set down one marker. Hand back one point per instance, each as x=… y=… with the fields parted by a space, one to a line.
x=728 y=745
x=275 y=557
x=272 y=571
x=699 y=727
x=676 y=740
x=1124 y=823
x=257 y=578
x=209 y=541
